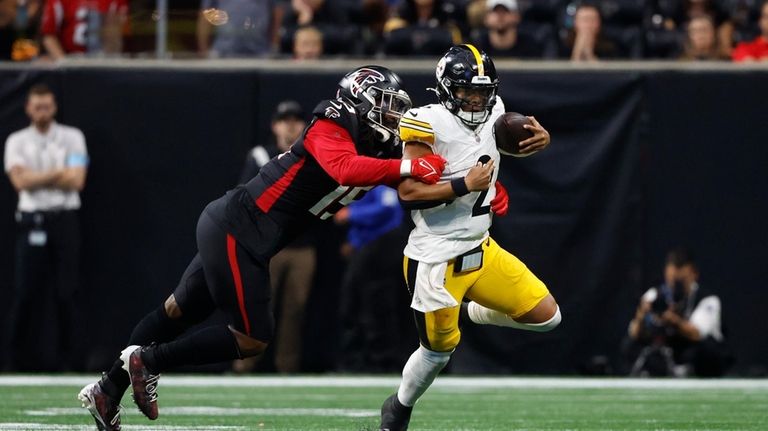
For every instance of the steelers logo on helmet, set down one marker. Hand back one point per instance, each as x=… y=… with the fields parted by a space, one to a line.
x=378 y=98
x=467 y=84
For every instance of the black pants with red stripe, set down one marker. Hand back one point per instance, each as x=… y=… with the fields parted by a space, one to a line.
x=224 y=276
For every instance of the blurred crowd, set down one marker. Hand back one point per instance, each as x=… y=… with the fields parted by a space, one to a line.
x=309 y=29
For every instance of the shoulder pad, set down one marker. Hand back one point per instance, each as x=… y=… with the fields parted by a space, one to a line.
x=339 y=112
x=415 y=126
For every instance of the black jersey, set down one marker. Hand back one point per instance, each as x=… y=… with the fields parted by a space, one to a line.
x=304 y=184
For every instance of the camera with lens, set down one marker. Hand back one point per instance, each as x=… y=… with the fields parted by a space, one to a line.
x=668 y=297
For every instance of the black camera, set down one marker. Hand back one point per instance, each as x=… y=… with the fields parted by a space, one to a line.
x=669 y=297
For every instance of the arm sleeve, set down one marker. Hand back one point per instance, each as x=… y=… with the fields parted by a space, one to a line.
x=78 y=152
x=706 y=317
x=13 y=156
x=374 y=212
x=50 y=21
x=417 y=128
x=333 y=148
x=741 y=52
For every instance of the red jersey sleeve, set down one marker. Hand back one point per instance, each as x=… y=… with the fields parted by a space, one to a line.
x=333 y=148
x=741 y=52
x=51 y=17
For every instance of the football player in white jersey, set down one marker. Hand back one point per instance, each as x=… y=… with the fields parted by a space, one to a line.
x=450 y=255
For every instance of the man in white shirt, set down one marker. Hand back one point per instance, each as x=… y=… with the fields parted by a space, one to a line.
x=46 y=163
x=677 y=326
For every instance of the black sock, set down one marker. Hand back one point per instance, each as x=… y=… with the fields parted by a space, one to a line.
x=209 y=345
x=154 y=327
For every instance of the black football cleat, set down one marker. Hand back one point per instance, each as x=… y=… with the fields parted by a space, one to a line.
x=394 y=416
x=143 y=382
x=104 y=409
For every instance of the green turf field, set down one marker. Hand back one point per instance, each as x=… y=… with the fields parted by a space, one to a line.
x=351 y=403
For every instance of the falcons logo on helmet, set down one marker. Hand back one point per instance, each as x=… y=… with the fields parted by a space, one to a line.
x=362 y=77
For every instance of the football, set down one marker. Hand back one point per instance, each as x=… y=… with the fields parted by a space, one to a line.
x=509 y=131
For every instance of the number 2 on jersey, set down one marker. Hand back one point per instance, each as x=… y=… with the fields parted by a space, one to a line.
x=478 y=208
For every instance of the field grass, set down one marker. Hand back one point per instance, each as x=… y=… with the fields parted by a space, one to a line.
x=352 y=403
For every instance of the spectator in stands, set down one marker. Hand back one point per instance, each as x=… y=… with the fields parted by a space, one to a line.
x=758 y=48
x=67 y=30
x=701 y=40
x=292 y=270
x=307 y=43
x=242 y=28
x=422 y=27
x=677 y=330
x=19 y=26
x=674 y=15
x=585 y=41
x=501 y=38
x=373 y=323
x=46 y=163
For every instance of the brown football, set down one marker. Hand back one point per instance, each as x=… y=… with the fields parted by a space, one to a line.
x=509 y=131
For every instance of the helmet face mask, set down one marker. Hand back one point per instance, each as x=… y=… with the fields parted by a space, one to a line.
x=467 y=84
x=388 y=107
x=379 y=100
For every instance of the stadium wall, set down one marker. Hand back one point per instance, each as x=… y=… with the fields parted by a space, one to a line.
x=642 y=159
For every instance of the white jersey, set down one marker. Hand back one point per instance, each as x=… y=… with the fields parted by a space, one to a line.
x=446 y=231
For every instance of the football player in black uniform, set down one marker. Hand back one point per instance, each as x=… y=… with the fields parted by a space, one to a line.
x=351 y=145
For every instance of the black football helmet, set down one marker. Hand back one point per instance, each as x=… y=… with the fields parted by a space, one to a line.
x=378 y=97
x=464 y=66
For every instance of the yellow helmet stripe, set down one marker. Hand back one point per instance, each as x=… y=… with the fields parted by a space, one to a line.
x=478 y=59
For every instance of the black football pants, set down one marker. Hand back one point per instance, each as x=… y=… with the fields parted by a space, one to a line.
x=224 y=276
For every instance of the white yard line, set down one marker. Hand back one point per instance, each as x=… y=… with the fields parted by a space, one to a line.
x=227 y=411
x=393 y=381
x=55 y=427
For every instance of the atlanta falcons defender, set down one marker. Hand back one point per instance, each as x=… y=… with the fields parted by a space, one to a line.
x=450 y=255
x=350 y=146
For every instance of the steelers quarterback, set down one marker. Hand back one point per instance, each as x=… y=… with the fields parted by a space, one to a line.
x=450 y=255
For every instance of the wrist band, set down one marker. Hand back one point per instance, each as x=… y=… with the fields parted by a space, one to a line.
x=459 y=187
x=405 y=168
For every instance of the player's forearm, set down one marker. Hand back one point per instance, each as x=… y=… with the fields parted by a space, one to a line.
x=412 y=190
x=53 y=47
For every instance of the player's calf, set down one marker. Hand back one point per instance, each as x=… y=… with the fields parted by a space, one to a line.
x=543 y=319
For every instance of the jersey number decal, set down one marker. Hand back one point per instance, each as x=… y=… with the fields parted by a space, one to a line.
x=479 y=209
x=333 y=201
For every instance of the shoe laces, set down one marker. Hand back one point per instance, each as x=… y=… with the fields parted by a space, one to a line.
x=116 y=418
x=151 y=387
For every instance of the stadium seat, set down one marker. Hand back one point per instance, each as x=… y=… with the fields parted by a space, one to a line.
x=544 y=35
x=664 y=44
x=625 y=12
x=417 y=41
x=627 y=39
x=545 y=11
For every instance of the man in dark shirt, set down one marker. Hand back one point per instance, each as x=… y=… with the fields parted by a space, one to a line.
x=350 y=146
x=292 y=270
x=502 y=38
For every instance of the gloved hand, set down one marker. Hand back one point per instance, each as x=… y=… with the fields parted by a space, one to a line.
x=427 y=169
x=500 y=203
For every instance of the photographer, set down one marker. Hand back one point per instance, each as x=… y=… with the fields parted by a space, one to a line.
x=676 y=330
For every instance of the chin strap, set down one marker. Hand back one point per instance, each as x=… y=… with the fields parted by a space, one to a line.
x=468 y=117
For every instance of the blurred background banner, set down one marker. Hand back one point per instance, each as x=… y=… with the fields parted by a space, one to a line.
x=641 y=160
